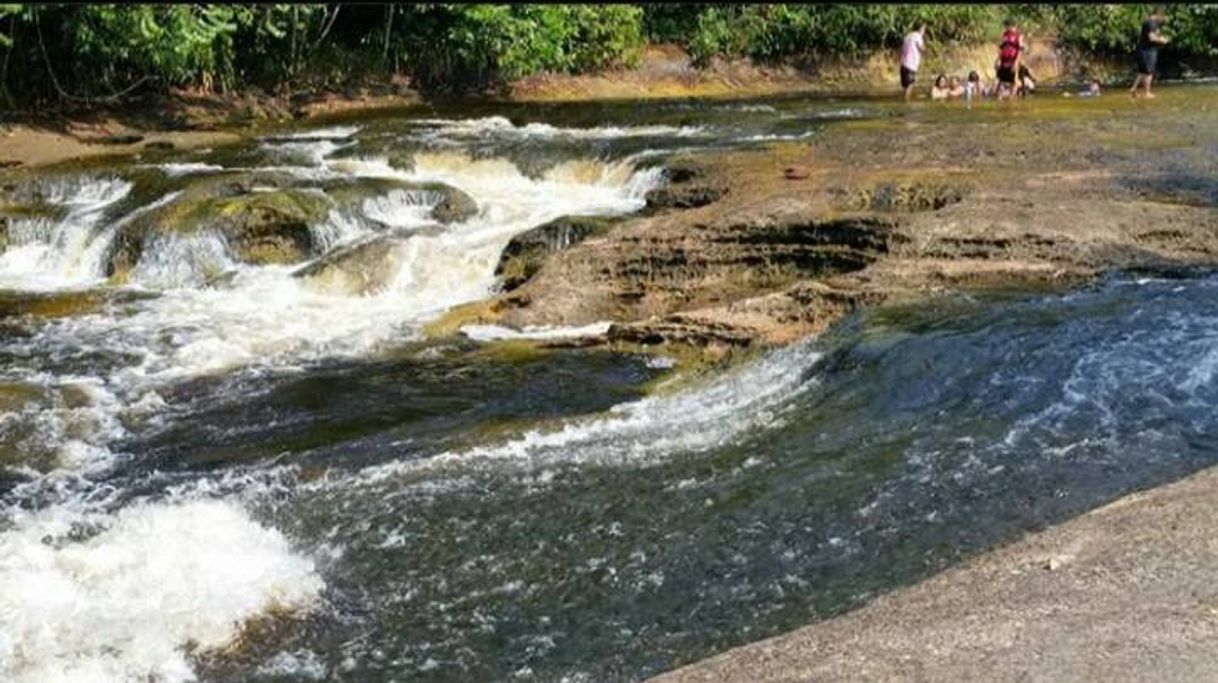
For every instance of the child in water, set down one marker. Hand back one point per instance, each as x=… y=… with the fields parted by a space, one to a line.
x=974 y=87
x=1026 y=82
x=954 y=87
x=940 y=89
x=1093 y=90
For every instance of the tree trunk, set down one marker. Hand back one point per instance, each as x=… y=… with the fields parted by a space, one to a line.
x=388 y=27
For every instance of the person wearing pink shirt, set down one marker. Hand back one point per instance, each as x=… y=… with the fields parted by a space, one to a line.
x=911 y=58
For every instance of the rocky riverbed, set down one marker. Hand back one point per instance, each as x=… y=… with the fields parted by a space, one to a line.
x=1047 y=193
x=416 y=396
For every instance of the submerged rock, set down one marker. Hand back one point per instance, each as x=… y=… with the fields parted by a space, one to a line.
x=363 y=268
x=64 y=304
x=526 y=253
x=452 y=205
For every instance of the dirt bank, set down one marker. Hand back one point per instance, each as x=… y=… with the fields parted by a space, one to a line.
x=667 y=71
x=1127 y=592
x=31 y=145
x=925 y=200
x=179 y=120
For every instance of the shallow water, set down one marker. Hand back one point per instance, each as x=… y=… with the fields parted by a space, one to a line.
x=248 y=460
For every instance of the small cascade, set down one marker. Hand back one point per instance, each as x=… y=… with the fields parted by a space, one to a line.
x=46 y=253
x=192 y=260
x=103 y=584
x=403 y=209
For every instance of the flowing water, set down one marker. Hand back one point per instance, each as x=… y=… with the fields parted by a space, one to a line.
x=248 y=478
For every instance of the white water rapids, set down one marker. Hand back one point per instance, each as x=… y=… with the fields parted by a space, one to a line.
x=154 y=577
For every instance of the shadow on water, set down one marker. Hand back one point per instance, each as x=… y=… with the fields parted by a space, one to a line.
x=924 y=435
x=348 y=413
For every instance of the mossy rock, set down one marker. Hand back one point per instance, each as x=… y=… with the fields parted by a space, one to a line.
x=64 y=304
x=263 y=219
x=526 y=253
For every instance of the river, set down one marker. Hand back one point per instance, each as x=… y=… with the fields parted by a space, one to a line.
x=229 y=473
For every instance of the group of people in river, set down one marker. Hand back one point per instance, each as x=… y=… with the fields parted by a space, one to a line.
x=1012 y=76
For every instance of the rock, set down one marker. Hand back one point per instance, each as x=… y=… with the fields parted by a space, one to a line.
x=270 y=226
x=796 y=172
x=683 y=172
x=897 y=196
x=524 y=255
x=159 y=144
x=687 y=187
x=11 y=163
x=117 y=140
x=358 y=269
x=64 y=303
x=683 y=197
x=454 y=205
x=663 y=264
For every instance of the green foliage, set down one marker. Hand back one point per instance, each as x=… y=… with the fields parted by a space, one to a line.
x=178 y=43
x=87 y=51
x=8 y=11
x=671 y=22
x=1115 y=28
x=460 y=46
x=770 y=32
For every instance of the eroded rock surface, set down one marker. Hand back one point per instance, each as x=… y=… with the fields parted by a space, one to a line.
x=526 y=253
x=891 y=209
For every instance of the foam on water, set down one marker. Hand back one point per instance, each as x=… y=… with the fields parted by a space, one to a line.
x=50 y=254
x=332 y=133
x=264 y=315
x=403 y=208
x=310 y=152
x=124 y=603
x=176 y=260
x=498 y=332
x=644 y=432
x=499 y=126
x=152 y=578
x=175 y=170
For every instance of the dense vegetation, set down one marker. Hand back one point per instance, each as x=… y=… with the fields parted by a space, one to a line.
x=96 y=52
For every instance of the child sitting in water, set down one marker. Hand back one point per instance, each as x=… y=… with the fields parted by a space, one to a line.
x=940 y=89
x=955 y=88
x=974 y=87
x=1093 y=90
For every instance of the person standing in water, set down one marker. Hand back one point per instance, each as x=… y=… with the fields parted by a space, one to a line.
x=911 y=58
x=1010 y=50
x=1149 y=42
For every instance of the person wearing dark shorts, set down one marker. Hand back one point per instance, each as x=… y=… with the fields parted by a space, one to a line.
x=911 y=58
x=908 y=77
x=1149 y=41
x=1009 y=51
